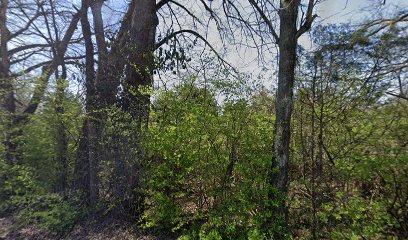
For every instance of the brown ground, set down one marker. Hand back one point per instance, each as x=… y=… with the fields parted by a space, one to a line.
x=86 y=230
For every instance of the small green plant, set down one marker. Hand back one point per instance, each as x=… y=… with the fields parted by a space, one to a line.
x=255 y=234
x=212 y=235
x=17 y=181
x=50 y=211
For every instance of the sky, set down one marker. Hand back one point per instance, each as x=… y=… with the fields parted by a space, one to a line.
x=353 y=12
x=333 y=12
x=328 y=11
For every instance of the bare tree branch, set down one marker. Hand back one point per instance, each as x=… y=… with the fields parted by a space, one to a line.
x=397 y=95
x=30 y=21
x=48 y=70
x=309 y=19
x=266 y=19
x=26 y=47
x=196 y=34
x=161 y=4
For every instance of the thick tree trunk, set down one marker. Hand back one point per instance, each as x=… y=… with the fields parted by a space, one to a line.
x=102 y=95
x=284 y=104
x=139 y=72
x=6 y=91
x=7 y=101
x=108 y=74
x=135 y=102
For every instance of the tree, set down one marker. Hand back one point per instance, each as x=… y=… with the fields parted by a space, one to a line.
x=338 y=113
x=289 y=32
x=118 y=98
x=8 y=106
x=287 y=43
x=48 y=67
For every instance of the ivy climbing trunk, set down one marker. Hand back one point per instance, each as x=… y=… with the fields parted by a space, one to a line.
x=139 y=72
x=7 y=101
x=136 y=101
x=97 y=101
x=61 y=134
x=82 y=165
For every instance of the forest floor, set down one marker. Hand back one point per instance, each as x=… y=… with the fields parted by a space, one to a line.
x=84 y=230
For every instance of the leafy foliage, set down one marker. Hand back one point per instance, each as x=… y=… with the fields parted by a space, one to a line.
x=208 y=163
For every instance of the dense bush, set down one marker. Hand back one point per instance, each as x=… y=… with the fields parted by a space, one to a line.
x=16 y=181
x=22 y=196
x=208 y=165
x=50 y=211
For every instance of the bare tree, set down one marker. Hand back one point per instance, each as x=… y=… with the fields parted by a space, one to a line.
x=258 y=20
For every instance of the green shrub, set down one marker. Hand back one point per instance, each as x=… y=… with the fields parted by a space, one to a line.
x=50 y=211
x=22 y=195
x=255 y=234
x=16 y=181
x=208 y=165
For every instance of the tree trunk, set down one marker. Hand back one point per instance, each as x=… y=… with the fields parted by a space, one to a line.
x=6 y=91
x=313 y=187
x=61 y=147
x=139 y=72
x=81 y=169
x=233 y=158
x=16 y=120
x=135 y=102
x=85 y=174
x=61 y=136
x=7 y=101
x=284 y=104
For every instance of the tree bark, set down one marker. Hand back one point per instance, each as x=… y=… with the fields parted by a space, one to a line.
x=135 y=102
x=81 y=169
x=85 y=174
x=284 y=104
x=6 y=91
x=61 y=147
x=105 y=85
x=7 y=101
x=61 y=134
x=139 y=72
